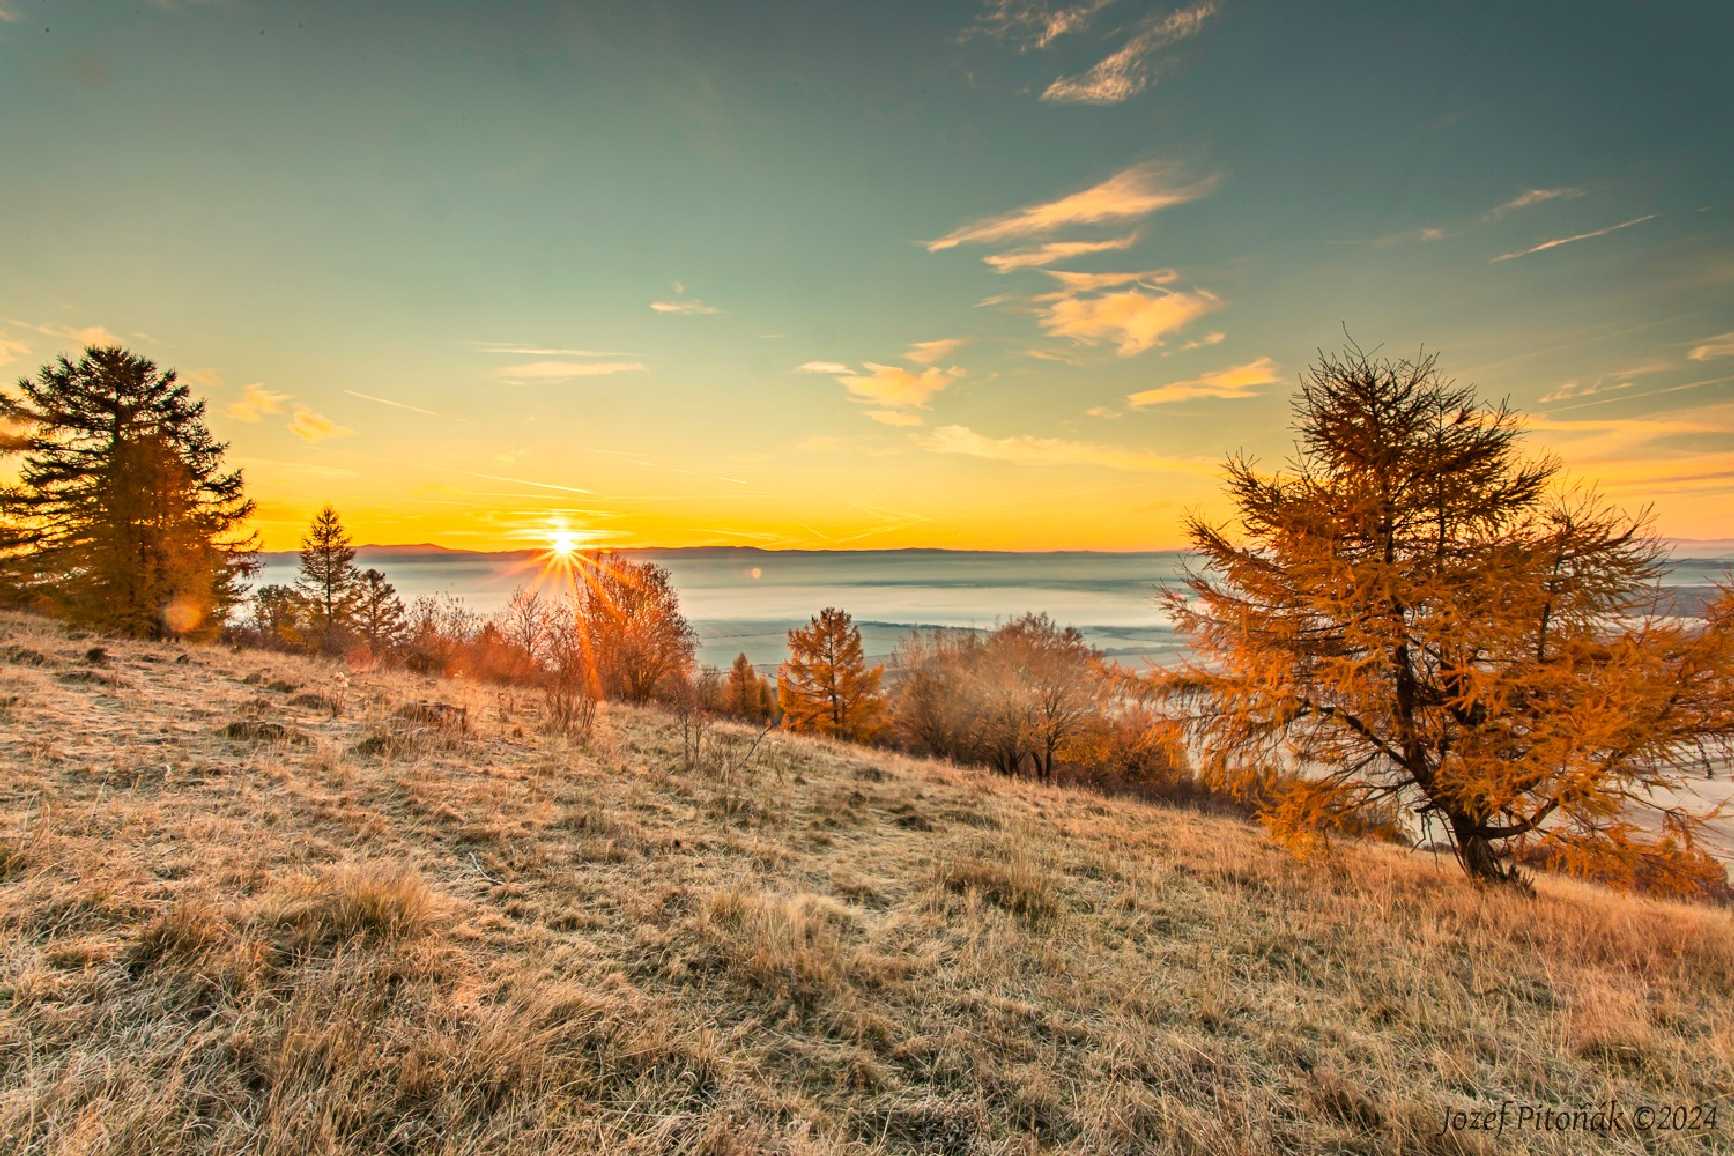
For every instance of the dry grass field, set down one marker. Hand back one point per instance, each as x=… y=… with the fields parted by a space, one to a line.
x=247 y=907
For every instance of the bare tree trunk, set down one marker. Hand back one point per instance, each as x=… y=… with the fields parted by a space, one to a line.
x=1478 y=857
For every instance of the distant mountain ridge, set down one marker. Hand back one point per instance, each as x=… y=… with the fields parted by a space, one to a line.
x=1682 y=548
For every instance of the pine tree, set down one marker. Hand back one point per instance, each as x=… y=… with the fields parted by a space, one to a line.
x=123 y=517
x=743 y=695
x=825 y=686
x=379 y=613
x=328 y=578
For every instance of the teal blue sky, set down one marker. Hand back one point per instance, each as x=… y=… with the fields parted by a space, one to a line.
x=471 y=272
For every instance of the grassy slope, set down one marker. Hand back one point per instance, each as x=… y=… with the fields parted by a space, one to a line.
x=502 y=943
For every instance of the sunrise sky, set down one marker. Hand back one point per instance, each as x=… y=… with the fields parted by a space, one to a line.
x=1003 y=275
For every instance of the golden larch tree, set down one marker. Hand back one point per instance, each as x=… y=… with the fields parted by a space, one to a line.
x=826 y=687
x=1413 y=613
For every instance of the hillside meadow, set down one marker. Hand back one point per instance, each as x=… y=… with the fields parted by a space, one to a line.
x=254 y=903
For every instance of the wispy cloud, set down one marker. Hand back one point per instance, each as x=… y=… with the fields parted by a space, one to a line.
x=1425 y=233
x=685 y=307
x=311 y=426
x=1572 y=390
x=1025 y=450
x=7 y=15
x=894 y=417
x=1134 y=192
x=1711 y=348
x=1035 y=23
x=1104 y=412
x=1054 y=251
x=1133 y=319
x=11 y=351
x=1531 y=197
x=256 y=401
x=546 y=371
x=1095 y=282
x=1558 y=241
x=893 y=385
x=932 y=352
x=391 y=403
x=536 y=485
x=542 y=350
x=1237 y=381
x=1217 y=337
x=74 y=335
x=1126 y=72
x=1684 y=387
x=832 y=368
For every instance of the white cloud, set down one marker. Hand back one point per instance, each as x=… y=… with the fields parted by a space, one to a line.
x=1134 y=192
x=1054 y=251
x=1126 y=72
x=894 y=417
x=1105 y=412
x=1557 y=242
x=1024 y=450
x=1530 y=197
x=1235 y=382
x=832 y=368
x=931 y=352
x=893 y=385
x=1721 y=345
x=1133 y=319
x=685 y=307
x=535 y=371
x=315 y=427
x=256 y=401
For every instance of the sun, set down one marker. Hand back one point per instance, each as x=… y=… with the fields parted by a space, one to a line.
x=562 y=545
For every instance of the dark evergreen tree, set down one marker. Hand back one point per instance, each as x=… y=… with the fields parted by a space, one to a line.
x=379 y=613
x=328 y=579
x=123 y=517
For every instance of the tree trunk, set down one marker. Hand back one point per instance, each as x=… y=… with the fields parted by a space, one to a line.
x=1478 y=857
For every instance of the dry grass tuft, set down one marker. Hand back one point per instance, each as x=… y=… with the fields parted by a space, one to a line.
x=1013 y=881
x=364 y=903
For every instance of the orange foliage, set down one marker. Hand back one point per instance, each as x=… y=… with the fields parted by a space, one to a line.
x=826 y=687
x=1416 y=614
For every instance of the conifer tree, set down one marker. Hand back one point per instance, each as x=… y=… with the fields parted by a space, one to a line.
x=825 y=687
x=1415 y=613
x=379 y=614
x=123 y=517
x=328 y=578
x=743 y=695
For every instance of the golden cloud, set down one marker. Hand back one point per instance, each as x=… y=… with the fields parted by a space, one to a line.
x=1237 y=381
x=1134 y=192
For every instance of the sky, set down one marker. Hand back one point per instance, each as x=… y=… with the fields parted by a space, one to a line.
x=1002 y=275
